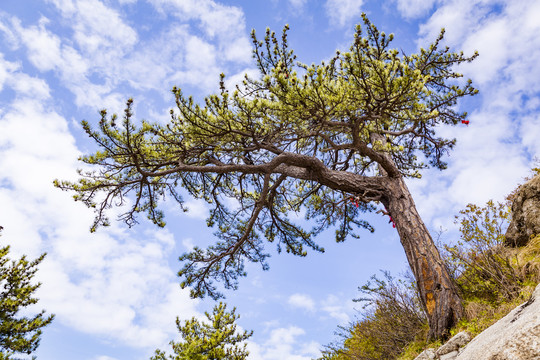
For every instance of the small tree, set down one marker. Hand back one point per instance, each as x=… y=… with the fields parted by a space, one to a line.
x=313 y=137
x=485 y=268
x=19 y=334
x=392 y=318
x=215 y=340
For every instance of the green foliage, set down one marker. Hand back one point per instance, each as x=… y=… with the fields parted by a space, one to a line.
x=296 y=138
x=485 y=268
x=215 y=340
x=19 y=334
x=392 y=318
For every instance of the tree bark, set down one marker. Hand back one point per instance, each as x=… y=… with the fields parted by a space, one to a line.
x=438 y=291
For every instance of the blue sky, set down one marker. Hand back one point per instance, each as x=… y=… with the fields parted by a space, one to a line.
x=115 y=293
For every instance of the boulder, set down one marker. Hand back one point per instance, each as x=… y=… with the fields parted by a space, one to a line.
x=451 y=347
x=515 y=337
x=428 y=354
x=449 y=350
x=525 y=214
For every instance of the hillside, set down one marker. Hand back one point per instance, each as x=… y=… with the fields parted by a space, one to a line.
x=496 y=264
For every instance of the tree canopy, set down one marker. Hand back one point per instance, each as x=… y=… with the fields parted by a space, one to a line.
x=298 y=137
x=19 y=334
x=216 y=339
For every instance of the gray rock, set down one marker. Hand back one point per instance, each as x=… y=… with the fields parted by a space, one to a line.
x=449 y=350
x=428 y=354
x=457 y=341
x=515 y=337
x=525 y=214
x=448 y=356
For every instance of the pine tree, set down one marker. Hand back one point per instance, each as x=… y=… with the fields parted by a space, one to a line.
x=19 y=334
x=215 y=340
x=336 y=139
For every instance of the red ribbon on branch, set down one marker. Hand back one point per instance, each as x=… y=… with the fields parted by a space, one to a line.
x=385 y=212
x=392 y=221
x=356 y=202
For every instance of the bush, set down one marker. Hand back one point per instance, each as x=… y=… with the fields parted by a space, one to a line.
x=485 y=268
x=392 y=318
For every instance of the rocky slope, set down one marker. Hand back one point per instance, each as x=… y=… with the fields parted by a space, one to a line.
x=514 y=337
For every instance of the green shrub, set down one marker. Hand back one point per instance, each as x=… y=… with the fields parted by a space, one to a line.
x=392 y=318
x=485 y=268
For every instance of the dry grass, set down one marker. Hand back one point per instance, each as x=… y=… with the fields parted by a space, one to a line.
x=479 y=315
x=527 y=260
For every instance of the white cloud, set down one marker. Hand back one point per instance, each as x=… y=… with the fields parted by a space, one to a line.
x=97 y=27
x=341 y=12
x=337 y=308
x=298 y=4
x=8 y=33
x=24 y=85
x=31 y=86
x=105 y=357
x=196 y=209
x=43 y=47
x=105 y=52
x=491 y=41
x=215 y=19
x=188 y=244
x=67 y=7
x=530 y=133
x=302 y=301
x=493 y=154
x=236 y=79
x=200 y=57
x=450 y=16
x=414 y=8
x=74 y=68
x=114 y=284
x=282 y=343
x=225 y=23
x=6 y=68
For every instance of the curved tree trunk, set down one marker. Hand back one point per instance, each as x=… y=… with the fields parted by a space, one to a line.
x=439 y=294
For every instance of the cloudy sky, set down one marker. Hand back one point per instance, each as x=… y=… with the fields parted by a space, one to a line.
x=115 y=293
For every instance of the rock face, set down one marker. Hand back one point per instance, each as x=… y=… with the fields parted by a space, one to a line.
x=515 y=337
x=525 y=214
